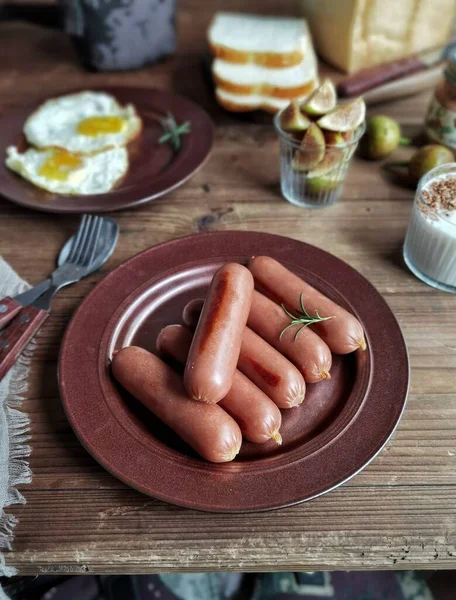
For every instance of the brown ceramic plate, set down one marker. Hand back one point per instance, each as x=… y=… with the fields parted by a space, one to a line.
x=155 y=169
x=342 y=425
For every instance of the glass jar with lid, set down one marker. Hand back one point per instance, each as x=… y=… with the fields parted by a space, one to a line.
x=440 y=122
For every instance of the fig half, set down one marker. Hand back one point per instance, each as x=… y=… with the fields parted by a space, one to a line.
x=330 y=163
x=322 y=100
x=312 y=150
x=293 y=120
x=345 y=117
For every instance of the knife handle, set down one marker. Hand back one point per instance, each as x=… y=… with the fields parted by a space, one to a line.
x=16 y=336
x=370 y=78
x=8 y=310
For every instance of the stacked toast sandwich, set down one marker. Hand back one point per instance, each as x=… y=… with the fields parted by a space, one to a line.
x=261 y=62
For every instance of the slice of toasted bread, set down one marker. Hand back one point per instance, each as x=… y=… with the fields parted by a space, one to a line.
x=266 y=89
x=274 y=42
x=253 y=79
x=250 y=102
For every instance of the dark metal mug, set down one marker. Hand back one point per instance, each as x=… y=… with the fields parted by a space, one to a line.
x=112 y=35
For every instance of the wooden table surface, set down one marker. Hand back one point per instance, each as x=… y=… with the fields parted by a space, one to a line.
x=400 y=512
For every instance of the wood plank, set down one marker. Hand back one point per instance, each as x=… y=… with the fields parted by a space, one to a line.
x=122 y=531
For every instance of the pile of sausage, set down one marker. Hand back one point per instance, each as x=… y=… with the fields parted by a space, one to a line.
x=239 y=370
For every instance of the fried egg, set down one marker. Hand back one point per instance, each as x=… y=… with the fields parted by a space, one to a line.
x=62 y=172
x=87 y=122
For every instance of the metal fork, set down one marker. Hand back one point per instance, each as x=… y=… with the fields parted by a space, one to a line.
x=78 y=262
x=84 y=244
x=82 y=254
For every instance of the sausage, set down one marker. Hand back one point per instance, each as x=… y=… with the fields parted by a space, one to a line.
x=307 y=351
x=276 y=376
x=271 y=371
x=216 y=344
x=192 y=312
x=257 y=416
x=209 y=430
x=343 y=333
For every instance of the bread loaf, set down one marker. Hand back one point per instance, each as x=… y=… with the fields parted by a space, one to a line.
x=356 y=34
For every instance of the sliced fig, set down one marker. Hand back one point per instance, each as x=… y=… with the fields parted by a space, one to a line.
x=345 y=117
x=318 y=185
x=330 y=163
x=311 y=151
x=347 y=135
x=334 y=138
x=338 y=138
x=292 y=119
x=322 y=100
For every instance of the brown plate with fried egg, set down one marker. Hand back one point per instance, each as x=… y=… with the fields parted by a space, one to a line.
x=99 y=150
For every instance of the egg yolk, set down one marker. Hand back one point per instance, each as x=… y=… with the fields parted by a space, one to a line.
x=59 y=165
x=100 y=125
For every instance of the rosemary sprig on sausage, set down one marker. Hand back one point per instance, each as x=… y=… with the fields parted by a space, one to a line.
x=302 y=318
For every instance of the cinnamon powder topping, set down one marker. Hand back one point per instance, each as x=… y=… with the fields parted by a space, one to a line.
x=441 y=194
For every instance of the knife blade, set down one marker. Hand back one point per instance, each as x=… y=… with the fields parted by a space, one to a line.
x=406 y=86
x=10 y=307
x=33 y=293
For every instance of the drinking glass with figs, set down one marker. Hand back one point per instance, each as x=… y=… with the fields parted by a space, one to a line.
x=317 y=141
x=243 y=354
